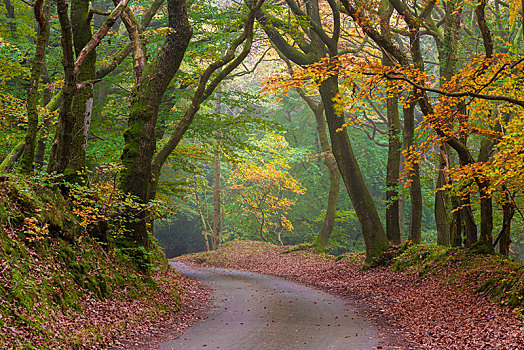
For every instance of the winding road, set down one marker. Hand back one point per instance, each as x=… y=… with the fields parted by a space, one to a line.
x=257 y=312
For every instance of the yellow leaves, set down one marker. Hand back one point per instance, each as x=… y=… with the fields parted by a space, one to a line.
x=265 y=189
x=515 y=6
x=507 y=167
x=33 y=230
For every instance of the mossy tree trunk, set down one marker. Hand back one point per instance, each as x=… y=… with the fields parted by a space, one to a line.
x=42 y=140
x=486 y=202
x=393 y=172
x=375 y=237
x=456 y=223
x=322 y=44
x=328 y=223
x=10 y=12
x=139 y=137
x=441 y=213
x=415 y=190
x=26 y=163
x=83 y=100
x=394 y=140
x=61 y=149
x=470 y=227
x=508 y=209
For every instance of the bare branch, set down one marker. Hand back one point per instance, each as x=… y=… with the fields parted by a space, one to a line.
x=402 y=77
x=102 y=32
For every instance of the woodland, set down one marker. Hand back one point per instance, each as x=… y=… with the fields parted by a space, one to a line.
x=132 y=130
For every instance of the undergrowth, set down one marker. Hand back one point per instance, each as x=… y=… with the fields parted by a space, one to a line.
x=56 y=261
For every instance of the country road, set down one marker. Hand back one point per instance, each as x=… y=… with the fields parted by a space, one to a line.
x=253 y=311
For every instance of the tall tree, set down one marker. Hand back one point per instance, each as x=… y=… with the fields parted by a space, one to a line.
x=26 y=165
x=142 y=166
x=314 y=44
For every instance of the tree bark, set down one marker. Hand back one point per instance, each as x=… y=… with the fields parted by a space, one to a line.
x=456 y=223
x=392 y=172
x=328 y=224
x=217 y=204
x=415 y=191
x=10 y=9
x=375 y=237
x=13 y=156
x=470 y=228
x=61 y=149
x=26 y=164
x=82 y=106
x=394 y=141
x=441 y=215
x=508 y=208
x=139 y=137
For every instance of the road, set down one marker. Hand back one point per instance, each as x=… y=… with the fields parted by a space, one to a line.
x=258 y=312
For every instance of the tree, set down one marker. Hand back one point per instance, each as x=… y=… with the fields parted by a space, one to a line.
x=264 y=189
x=32 y=95
x=314 y=43
x=142 y=165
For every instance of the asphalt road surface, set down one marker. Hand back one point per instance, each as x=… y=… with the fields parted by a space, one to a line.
x=254 y=311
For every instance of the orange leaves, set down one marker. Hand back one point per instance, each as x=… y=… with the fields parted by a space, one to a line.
x=33 y=230
x=507 y=168
x=264 y=188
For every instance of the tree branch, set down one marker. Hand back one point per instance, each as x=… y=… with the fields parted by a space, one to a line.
x=102 y=32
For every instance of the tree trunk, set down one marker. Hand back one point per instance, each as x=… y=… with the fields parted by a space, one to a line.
x=322 y=238
x=61 y=148
x=10 y=9
x=392 y=172
x=139 y=137
x=13 y=156
x=82 y=106
x=456 y=223
x=448 y=233
x=46 y=98
x=508 y=208
x=375 y=237
x=217 y=205
x=415 y=191
x=470 y=228
x=486 y=202
x=328 y=223
x=441 y=216
x=26 y=164
x=394 y=141
x=486 y=216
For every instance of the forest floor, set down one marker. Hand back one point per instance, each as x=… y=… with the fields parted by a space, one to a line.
x=427 y=308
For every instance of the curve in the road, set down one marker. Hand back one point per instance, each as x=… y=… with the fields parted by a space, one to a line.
x=260 y=312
